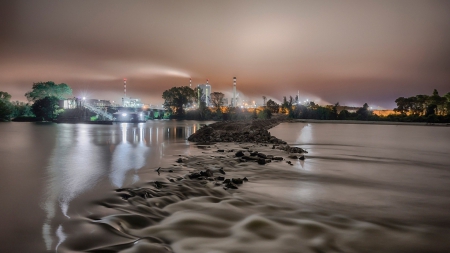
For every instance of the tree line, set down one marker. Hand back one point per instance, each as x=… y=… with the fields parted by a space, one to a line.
x=43 y=103
x=421 y=108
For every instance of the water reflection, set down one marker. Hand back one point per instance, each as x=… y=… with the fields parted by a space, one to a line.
x=129 y=155
x=84 y=155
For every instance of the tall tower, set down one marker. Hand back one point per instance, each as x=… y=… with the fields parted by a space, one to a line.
x=234 y=92
x=125 y=87
x=190 y=83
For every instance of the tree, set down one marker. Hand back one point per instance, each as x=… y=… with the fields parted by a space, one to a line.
x=217 y=100
x=273 y=106
x=48 y=89
x=176 y=98
x=334 y=113
x=20 y=109
x=363 y=113
x=401 y=105
x=6 y=108
x=46 y=108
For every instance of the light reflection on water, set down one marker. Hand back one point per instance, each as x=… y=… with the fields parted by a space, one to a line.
x=84 y=155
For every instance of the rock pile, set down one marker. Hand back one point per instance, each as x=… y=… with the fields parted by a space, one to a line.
x=238 y=131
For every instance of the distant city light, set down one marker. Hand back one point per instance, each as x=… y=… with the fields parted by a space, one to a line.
x=124 y=114
x=84 y=98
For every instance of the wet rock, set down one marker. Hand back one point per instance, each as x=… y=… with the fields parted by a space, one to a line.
x=158 y=184
x=302 y=157
x=180 y=160
x=269 y=156
x=220 y=178
x=194 y=175
x=292 y=156
x=268 y=160
x=245 y=179
x=239 y=153
x=236 y=181
x=230 y=185
x=171 y=180
x=278 y=158
x=226 y=181
x=220 y=150
x=210 y=179
x=261 y=155
x=170 y=171
x=206 y=173
x=222 y=171
x=261 y=161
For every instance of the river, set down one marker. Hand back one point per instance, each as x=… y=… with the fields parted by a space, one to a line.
x=380 y=179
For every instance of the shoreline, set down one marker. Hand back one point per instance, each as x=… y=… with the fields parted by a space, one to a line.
x=367 y=122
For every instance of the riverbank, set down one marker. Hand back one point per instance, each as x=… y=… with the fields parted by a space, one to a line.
x=369 y=122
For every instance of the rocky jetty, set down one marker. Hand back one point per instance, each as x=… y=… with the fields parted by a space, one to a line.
x=252 y=131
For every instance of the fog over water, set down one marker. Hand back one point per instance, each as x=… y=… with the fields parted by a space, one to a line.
x=360 y=188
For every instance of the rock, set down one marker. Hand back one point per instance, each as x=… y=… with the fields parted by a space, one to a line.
x=239 y=153
x=292 y=156
x=170 y=171
x=194 y=175
x=302 y=157
x=226 y=181
x=220 y=150
x=210 y=179
x=179 y=160
x=268 y=160
x=157 y=184
x=261 y=161
x=269 y=156
x=262 y=155
x=278 y=158
x=230 y=185
x=206 y=173
x=220 y=178
x=171 y=180
x=222 y=171
x=236 y=180
x=245 y=179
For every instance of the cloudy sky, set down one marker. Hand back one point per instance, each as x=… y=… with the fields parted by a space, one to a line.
x=331 y=51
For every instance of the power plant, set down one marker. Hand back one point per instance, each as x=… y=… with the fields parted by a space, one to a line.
x=233 y=102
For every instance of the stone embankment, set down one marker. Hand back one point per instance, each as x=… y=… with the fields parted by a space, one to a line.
x=252 y=131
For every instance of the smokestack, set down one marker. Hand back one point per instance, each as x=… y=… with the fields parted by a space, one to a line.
x=125 y=87
x=234 y=92
x=190 y=83
x=207 y=81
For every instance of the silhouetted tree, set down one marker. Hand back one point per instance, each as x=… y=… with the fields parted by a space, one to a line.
x=273 y=106
x=46 y=108
x=6 y=108
x=217 y=100
x=176 y=98
x=48 y=89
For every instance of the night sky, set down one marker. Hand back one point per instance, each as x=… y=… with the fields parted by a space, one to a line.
x=331 y=51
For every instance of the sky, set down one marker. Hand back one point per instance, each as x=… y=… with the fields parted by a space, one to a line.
x=351 y=52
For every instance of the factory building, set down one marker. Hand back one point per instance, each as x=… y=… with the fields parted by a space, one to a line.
x=205 y=94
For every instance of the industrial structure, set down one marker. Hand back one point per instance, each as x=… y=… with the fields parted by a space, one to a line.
x=233 y=101
x=205 y=94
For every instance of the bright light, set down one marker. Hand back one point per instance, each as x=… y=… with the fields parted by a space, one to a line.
x=140 y=114
x=124 y=114
x=84 y=98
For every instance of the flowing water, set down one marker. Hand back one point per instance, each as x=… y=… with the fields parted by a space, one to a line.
x=361 y=188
